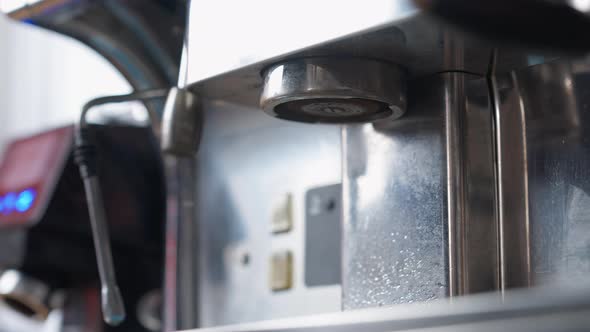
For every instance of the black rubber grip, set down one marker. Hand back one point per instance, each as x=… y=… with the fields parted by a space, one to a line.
x=85 y=157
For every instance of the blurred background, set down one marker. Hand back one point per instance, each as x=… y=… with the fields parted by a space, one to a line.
x=45 y=79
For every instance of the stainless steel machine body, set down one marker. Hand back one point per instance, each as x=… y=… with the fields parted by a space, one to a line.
x=439 y=203
x=542 y=115
x=296 y=158
x=422 y=164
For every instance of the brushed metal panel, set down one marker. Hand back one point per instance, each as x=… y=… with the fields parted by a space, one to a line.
x=547 y=310
x=248 y=161
x=419 y=209
x=546 y=235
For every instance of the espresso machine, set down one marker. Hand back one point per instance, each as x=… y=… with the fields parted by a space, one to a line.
x=386 y=165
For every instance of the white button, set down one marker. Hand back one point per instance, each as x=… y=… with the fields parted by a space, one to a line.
x=282 y=216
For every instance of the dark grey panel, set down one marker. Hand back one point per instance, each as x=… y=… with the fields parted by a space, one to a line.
x=14 y=242
x=323 y=234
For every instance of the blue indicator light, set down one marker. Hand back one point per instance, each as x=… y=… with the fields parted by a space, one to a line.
x=1 y=204
x=9 y=202
x=25 y=200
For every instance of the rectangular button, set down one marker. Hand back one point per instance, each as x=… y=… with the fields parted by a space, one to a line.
x=281 y=271
x=282 y=217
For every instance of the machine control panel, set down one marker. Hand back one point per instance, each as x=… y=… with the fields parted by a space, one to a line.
x=29 y=170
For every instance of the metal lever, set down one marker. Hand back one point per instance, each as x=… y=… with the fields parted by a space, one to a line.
x=113 y=309
x=182 y=124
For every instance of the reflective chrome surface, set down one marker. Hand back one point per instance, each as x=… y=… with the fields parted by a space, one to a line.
x=246 y=165
x=13 y=321
x=334 y=90
x=471 y=197
x=181 y=123
x=418 y=198
x=543 y=135
x=149 y=311
x=113 y=307
x=513 y=210
x=181 y=280
x=552 y=310
x=385 y=30
x=27 y=295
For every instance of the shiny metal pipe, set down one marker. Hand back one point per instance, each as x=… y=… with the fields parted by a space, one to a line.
x=113 y=309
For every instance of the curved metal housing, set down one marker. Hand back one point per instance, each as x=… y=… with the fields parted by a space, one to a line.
x=142 y=39
x=334 y=90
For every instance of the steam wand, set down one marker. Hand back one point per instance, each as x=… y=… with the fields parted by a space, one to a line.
x=113 y=309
